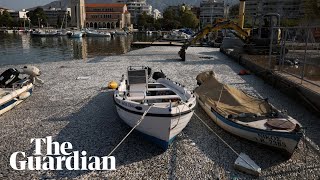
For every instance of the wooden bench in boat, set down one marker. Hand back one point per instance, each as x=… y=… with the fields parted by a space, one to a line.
x=159 y=89
x=140 y=98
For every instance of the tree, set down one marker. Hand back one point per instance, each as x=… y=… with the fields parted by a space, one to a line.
x=6 y=19
x=146 y=21
x=179 y=17
x=37 y=16
x=188 y=19
x=59 y=22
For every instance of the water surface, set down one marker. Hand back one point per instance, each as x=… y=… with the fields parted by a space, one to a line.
x=22 y=48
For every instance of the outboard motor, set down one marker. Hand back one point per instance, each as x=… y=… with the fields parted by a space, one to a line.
x=157 y=75
x=8 y=77
x=33 y=73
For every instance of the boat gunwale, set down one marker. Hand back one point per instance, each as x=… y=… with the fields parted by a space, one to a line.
x=290 y=135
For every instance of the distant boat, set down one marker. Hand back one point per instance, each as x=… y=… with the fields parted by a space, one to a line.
x=62 y=32
x=149 y=32
x=91 y=33
x=246 y=116
x=120 y=33
x=75 y=34
x=41 y=33
x=167 y=105
x=176 y=36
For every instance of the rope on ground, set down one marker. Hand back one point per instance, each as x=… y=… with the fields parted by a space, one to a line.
x=220 y=137
x=223 y=140
x=134 y=127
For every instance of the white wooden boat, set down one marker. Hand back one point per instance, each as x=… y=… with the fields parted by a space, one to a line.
x=91 y=33
x=75 y=34
x=120 y=32
x=172 y=106
x=41 y=33
x=176 y=36
x=14 y=90
x=246 y=116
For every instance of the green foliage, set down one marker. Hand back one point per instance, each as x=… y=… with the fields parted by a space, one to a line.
x=59 y=21
x=37 y=16
x=312 y=10
x=145 y=21
x=189 y=20
x=178 y=18
x=6 y=19
x=173 y=18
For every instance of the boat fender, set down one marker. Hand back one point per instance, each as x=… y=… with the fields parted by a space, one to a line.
x=24 y=95
x=112 y=85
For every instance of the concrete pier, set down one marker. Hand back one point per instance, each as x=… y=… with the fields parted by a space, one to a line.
x=82 y=112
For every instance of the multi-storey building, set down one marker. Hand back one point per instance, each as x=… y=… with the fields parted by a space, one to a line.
x=288 y=9
x=137 y=7
x=107 y=16
x=56 y=15
x=211 y=10
x=18 y=15
x=78 y=13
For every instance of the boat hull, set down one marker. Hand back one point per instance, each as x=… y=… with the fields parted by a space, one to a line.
x=160 y=129
x=97 y=34
x=11 y=100
x=285 y=141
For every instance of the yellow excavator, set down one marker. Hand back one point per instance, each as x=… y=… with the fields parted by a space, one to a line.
x=257 y=40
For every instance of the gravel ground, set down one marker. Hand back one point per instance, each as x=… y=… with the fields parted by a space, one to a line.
x=81 y=112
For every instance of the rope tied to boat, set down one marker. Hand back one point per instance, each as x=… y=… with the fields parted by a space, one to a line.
x=133 y=128
x=221 y=139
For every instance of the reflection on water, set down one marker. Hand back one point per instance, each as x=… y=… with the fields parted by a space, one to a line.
x=22 y=48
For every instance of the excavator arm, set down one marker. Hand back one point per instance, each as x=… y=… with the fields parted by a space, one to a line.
x=215 y=27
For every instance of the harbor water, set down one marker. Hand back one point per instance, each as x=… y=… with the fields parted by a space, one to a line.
x=21 y=48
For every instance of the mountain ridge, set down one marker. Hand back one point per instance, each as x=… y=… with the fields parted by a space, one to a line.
x=156 y=4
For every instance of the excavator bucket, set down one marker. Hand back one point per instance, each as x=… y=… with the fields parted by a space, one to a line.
x=182 y=54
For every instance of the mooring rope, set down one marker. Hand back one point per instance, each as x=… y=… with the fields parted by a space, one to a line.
x=134 y=127
x=221 y=139
x=224 y=141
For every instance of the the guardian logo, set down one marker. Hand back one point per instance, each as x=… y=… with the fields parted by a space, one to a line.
x=59 y=156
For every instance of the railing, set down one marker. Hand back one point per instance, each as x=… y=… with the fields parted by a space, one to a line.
x=299 y=53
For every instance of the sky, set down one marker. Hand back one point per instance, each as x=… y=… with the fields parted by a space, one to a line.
x=22 y=4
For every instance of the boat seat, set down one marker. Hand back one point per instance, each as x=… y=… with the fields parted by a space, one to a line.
x=158 y=89
x=140 y=98
x=137 y=90
x=138 y=82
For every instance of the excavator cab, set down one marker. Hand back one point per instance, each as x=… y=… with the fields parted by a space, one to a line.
x=261 y=33
x=262 y=26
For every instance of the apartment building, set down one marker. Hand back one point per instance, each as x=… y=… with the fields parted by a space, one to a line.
x=211 y=10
